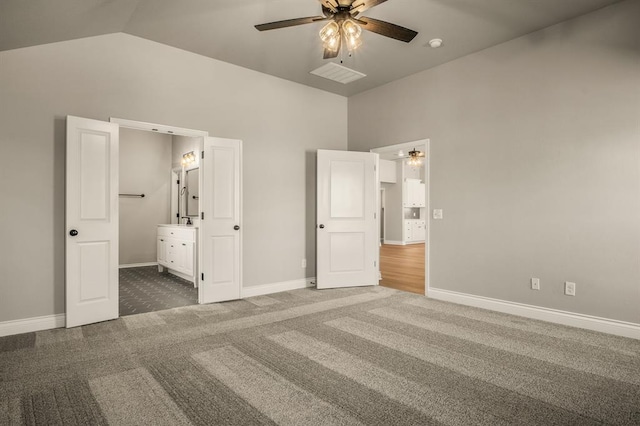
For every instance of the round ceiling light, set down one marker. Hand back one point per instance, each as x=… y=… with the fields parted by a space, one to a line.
x=435 y=43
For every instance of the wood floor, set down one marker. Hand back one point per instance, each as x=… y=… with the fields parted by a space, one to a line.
x=402 y=267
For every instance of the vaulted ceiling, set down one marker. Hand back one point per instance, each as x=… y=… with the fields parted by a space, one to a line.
x=224 y=30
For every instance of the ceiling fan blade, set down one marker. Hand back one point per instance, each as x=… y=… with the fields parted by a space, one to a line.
x=289 y=23
x=362 y=5
x=329 y=54
x=387 y=29
x=332 y=5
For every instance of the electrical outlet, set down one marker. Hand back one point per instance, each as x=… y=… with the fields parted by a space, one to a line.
x=535 y=283
x=303 y=264
x=569 y=288
x=437 y=213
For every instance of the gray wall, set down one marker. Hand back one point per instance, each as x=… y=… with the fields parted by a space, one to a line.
x=535 y=153
x=145 y=168
x=124 y=76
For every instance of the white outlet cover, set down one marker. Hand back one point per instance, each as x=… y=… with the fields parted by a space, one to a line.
x=437 y=213
x=569 y=288
x=535 y=283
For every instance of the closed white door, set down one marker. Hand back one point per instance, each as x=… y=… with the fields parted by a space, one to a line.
x=91 y=221
x=220 y=223
x=347 y=231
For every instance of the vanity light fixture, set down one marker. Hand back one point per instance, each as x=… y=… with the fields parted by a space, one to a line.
x=188 y=159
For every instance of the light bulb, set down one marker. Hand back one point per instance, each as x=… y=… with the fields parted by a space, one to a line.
x=353 y=43
x=414 y=161
x=329 y=31
x=352 y=32
x=351 y=29
x=332 y=43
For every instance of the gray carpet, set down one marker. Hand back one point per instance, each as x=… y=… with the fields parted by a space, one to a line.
x=364 y=356
x=144 y=289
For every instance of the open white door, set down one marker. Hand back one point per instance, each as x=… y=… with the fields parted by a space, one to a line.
x=220 y=222
x=347 y=232
x=91 y=221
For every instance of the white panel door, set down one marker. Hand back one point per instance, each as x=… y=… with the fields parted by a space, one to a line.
x=220 y=223
x=347 y=231
x=91 y=221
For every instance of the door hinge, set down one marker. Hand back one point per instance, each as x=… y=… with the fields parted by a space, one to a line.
x=202 y=215
x=375 y=264
x=375 y=168
x=178 y=181
x=202 y=155
x=375 y=216
x=178 y=215
x=202 y=276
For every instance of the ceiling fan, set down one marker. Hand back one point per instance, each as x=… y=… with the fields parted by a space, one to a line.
x=414 y=157
x=345 y=23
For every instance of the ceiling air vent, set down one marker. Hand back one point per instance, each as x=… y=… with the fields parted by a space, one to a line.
x=335 y=72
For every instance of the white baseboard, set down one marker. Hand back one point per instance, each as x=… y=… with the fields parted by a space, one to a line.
x=260 y=290
x=181 y=275
x=137 y=265
x=604 y=325
x=393 y=243
x=28 y=325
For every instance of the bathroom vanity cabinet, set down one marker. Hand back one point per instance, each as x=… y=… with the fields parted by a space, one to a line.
x=177 y=251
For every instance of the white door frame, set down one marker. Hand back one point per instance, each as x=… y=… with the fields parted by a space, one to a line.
x=427 y=177
x=381 y=204
x=170 y=130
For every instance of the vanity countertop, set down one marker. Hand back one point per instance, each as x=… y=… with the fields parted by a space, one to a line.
x=178 y=225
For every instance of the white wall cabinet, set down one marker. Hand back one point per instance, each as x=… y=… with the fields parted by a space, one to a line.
x=413 y=193
x=414 y=231
x=388 y=172
x=177 y=251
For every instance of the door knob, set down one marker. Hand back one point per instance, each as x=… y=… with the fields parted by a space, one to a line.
x=321 y=226
x=236 y=227
x=73 y=232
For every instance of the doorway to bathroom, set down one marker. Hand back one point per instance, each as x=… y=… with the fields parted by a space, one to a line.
x=92 y=220
x=158 y=179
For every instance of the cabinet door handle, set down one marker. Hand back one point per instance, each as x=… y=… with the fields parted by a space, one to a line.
x=183 y=244
x=162 y=240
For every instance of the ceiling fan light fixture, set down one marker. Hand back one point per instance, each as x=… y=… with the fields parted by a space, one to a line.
x=352 y=33
x=351 y=28
x=415 y=158
x=414 y=162
x=330 y=32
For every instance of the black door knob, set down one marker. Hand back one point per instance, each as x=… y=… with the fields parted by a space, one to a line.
x=236 y=227
x=73 y=232
x=321 y=226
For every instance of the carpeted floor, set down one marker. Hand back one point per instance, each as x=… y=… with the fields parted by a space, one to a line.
x=371 y=356
x=144 y=289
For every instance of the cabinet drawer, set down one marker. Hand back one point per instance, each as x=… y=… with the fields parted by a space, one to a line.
x=183 y=234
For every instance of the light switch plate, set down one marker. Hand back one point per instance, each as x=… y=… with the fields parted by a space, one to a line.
x=535 y=283
x=437 y=213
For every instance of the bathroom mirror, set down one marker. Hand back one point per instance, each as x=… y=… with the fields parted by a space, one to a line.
x=192 y=193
